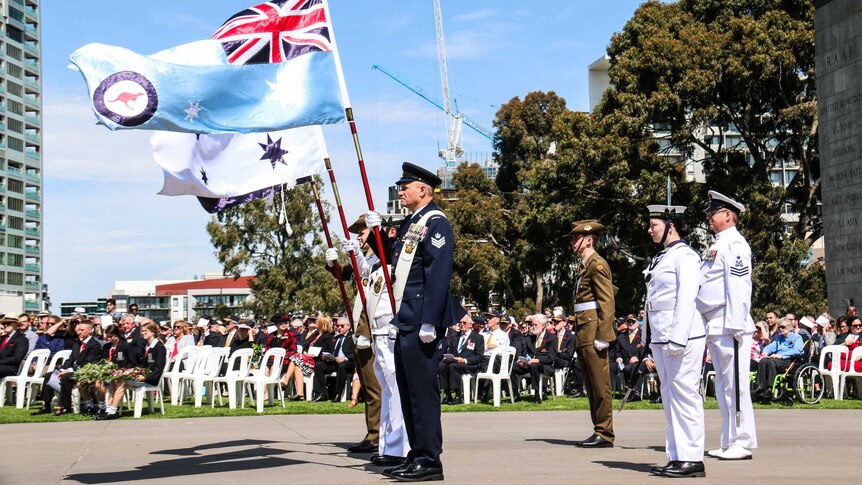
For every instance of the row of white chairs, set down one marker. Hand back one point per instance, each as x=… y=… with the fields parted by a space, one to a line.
x=27 y=382
x=836 y=376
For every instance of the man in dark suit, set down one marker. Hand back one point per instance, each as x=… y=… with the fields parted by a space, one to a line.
x=536 y=355
x=214 y=337
x=422 y=251
x=340 y=360
x=632 y=356
x=466 y=348
x=565 y=344
x=86 y=350
x=13 y=348
x=132 y=335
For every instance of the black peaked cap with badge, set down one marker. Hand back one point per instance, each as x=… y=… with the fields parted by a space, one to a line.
x=414 y=173
x=719 y=201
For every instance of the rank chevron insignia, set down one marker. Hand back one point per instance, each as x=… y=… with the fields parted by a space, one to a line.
x=438 y=240
x=739 y=269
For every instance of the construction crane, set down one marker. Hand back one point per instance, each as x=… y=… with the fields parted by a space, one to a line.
x=419 y=91
x=454 y=151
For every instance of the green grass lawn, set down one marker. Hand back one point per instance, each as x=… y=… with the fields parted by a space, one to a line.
x=9 y=414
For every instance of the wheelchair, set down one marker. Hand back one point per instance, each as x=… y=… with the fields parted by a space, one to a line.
x=802 y=382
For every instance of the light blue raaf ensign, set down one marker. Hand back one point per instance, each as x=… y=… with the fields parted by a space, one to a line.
x=129 y=90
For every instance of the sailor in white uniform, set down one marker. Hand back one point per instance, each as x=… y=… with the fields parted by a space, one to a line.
x=393 y=446
x=677 y=341
x=724 y=301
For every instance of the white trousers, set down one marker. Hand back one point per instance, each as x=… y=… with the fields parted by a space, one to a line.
x=721 y=349
x=683 y=405
x=393 y=434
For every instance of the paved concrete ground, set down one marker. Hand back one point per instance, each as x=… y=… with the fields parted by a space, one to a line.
x=796 y=446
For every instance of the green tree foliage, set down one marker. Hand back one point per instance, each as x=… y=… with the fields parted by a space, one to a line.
x=701 y=68
x=690 y=71
x=289 y=270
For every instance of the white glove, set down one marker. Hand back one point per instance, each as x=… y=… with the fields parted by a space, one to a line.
x=331 y=257
x=427 y=333
x=673 y=350
x=350 y=246
x=738 y=335
x=600 y=344
x=373 y=219
x=393 y=332
x=363 y=342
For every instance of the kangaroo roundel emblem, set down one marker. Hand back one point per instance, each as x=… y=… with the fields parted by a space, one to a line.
x=126 y=98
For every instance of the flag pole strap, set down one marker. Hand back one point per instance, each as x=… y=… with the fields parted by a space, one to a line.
x=336 y=266
x=350 y=120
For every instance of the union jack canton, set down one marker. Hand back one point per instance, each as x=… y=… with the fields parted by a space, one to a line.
x=275 y=32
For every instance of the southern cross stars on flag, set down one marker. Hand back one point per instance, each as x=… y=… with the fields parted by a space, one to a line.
x=275 y=31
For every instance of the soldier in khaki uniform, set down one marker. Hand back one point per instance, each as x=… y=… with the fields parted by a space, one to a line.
x=594 y=313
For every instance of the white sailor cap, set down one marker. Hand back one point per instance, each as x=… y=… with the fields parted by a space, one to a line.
x=666 y=211
x=721 y=201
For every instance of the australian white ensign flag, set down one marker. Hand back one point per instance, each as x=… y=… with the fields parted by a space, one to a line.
x=232 y=165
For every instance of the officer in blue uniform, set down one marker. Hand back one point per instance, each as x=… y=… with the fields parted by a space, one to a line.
x=422 y=252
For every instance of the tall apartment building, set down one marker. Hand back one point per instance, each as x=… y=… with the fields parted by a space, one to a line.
x=21 y=152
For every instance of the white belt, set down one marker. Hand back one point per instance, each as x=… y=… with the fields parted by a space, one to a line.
x=590 y=305
x=713 y=314
x=660 y=305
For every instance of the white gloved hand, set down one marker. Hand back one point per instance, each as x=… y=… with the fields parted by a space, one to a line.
x=673 y=350
x=363 y=342
x=427 y=333
x=331 y=257
x=600 y=344
x=619 y=360
x=393 y=332
x=738 y=335
x=350 y=246
x=373 y=219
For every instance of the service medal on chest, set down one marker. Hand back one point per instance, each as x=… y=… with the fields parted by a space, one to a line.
x=409 y=247
x=378 y=285
x=364 y=282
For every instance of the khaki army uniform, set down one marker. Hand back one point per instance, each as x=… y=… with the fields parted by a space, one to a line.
x=594 y=313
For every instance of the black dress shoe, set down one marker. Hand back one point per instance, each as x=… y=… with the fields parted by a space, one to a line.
x=63 y=412
x=41 y=411
x=90 y=411
x=577 y=394
x=659 y=470
x=363 y=446
x=656 y=400
x=386 y=460
x=634 y=396
x=108 y=417
x=318 y=398
x=684 y=469
x=595 y=441
x=456 y=400
x=397 y=468
x=418 y=473
x=447 y=399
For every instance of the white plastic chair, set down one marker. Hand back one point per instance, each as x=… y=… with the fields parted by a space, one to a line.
x=206 y=369
x=851 y=373
x=36 y=359
x=234 y=378
x=187 y=356
x=262 y=383
x=308 y=383
x=837 y=352
x=551 y=380
x=507 y=356
x=58 y=359
x=466 y=385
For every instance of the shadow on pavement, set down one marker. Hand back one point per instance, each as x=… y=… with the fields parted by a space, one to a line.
x=190 y=462
x=625 y=465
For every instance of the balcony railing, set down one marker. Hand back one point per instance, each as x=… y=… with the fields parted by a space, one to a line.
x=32 y=249
x=32 y=267
x=33 y=177
x=31 y=305
x=33 y=214
x=33 y=231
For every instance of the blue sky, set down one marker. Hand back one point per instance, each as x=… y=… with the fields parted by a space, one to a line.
x=102 y=218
